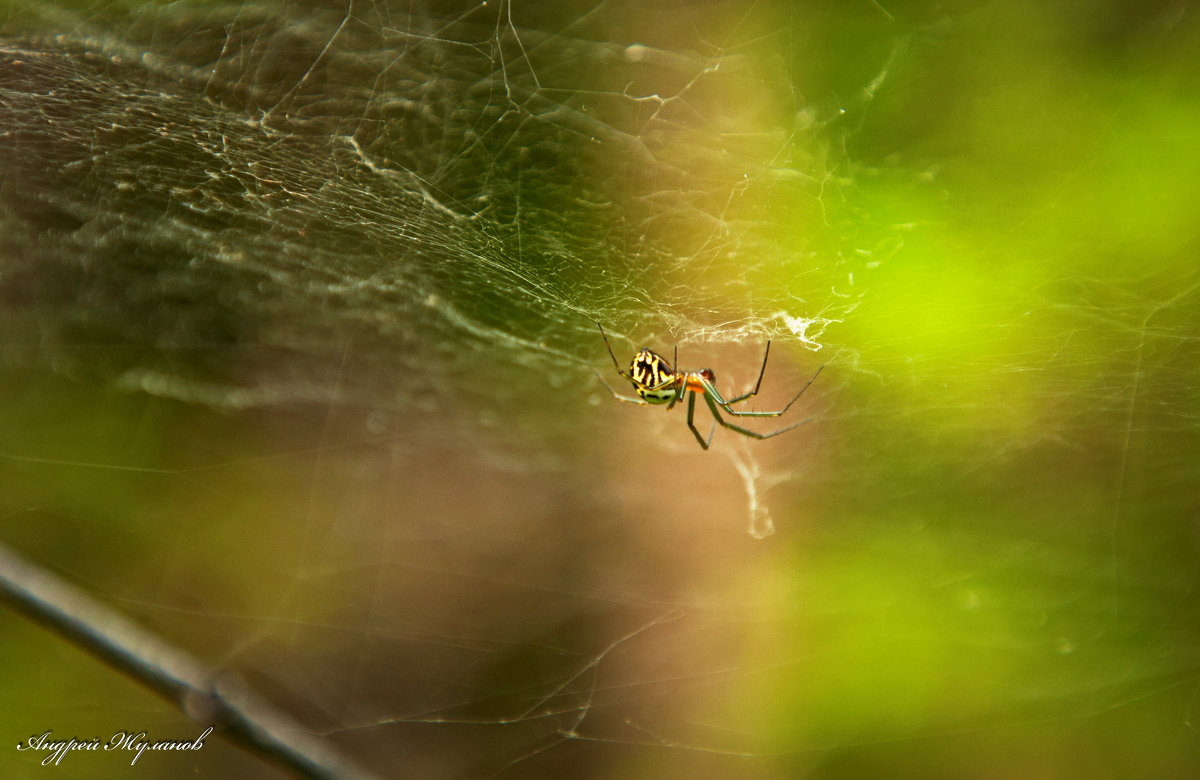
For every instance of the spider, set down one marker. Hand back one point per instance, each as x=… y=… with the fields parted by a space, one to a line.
x=656 y=382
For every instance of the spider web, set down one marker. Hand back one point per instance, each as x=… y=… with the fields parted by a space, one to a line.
x=300 y=309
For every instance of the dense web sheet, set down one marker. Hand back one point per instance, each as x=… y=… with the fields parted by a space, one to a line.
x=369 y=202
x=457 y=182
x=299 y=316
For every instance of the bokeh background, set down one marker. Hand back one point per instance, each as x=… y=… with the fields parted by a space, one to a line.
x=297 y=353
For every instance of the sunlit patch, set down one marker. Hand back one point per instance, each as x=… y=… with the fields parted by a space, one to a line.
x=807 y=329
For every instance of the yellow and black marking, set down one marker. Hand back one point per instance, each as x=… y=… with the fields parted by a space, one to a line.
x=653 y=379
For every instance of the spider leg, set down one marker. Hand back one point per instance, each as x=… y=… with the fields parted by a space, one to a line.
x=618 y=396
x=762 y=370
x=692 y=424
x=617 y=365
x=679 y=391
x=811 y=379
x=712 y=406
x=710 y=391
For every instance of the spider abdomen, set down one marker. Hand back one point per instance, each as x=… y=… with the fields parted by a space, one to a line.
x=660 y=396
x=653 y=379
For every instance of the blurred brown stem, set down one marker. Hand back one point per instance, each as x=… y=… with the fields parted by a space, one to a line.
x=205 y=694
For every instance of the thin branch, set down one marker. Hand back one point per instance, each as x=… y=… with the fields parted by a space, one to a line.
x=203 y=693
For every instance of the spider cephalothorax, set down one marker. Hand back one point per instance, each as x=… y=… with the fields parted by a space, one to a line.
x=656 y=382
